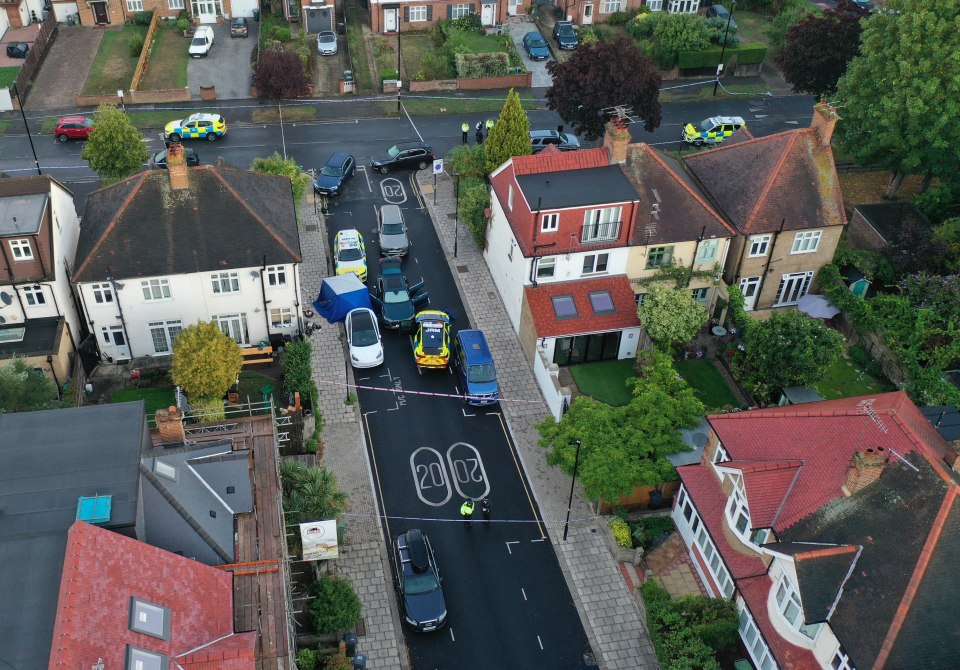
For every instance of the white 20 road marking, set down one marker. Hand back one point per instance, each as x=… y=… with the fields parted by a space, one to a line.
x=432 y=479
x=392 y=189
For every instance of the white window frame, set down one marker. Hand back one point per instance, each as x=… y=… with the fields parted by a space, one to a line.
x=549 y=222
x=276 y=276
x=281 y=317
x=841 y=661
x=655 y=5
x=753 y=641
x=737 y=511
x=594 y=261
x=417 y=14
x=639 y=298
x=510 y=197
x=806 y=242
x=546 y=267
x=601 y=224
x=759 y=245
x=611 y=6
x=805 y=279
x=720 y=454
x=134 y=5
x=155 y=290
x=34 y=296
x=102 y=293
x=21 y=250
x=714 y=563
x=174 y=4
x=459 y=11
x=168 y=331
x=225 y=282
x=708 y=251
x=786 y=595
x=224 y=321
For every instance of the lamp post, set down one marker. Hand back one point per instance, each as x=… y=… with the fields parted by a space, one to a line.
x=573 y=481
x=723 y=47
x=398 y=59
x=456 y=213
x=16 y=91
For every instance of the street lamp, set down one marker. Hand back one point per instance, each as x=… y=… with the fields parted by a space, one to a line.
x=398 y=60
x=573 y=481
x=456 y=213
x=16 y=91
x=723 y=47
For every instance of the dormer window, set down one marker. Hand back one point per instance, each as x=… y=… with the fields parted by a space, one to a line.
x=788 y=604
x=720 y=454
x=738 y=514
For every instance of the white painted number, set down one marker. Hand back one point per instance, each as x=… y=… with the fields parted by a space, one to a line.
x=431 y=475
x=393 y=192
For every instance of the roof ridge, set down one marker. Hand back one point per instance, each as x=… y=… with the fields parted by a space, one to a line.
x=117 y=215
x=786 y=496
x=246 y=205
x=771 y=178
x=837 y=550
x=763 y=464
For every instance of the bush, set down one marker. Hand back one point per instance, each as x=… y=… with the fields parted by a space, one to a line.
x=475 y=66
x=142 y=18
x=939 y=202
x=135 y=45
x=718 y=28
x=183 y=24
x=298 y=370
x=284 y=167
x=469 y=23
x=621 y=18
x=468 y=161
x=649 y=532
x=474 y=198
x=621 y=532
x=643 y=26
x=337 y=662
x=307 y=659
x=794 y=11
x=588 y=36
x=336 y=608
x=280 y=33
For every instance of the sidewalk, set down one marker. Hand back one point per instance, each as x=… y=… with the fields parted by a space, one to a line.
x=610 y=614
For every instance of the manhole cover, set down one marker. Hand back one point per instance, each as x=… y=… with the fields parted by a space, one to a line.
x=462 y=268
x=312 y=228
x=451 y=215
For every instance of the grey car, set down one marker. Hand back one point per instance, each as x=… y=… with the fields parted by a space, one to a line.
x=392 y=231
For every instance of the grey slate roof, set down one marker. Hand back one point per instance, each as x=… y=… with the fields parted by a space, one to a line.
x=887 y=218
x=226 y=219
x=39 y=337
x=577 y=188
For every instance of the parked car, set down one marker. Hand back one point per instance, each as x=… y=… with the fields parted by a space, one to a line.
x=541 y=139
x=73 y=128
x=202 y=42
x=159 y=159
x=535 y=45
x=431 y=341
x=200 y=125
x=239 y=28
x=565 y=35
x=327 y=43
x=363 y=338
x=720 y=12
x=392 y=231
x=349 y=253
x=475 y=368
x=17 y=50
x=396 y=300
x=415 y=155
x=711 y=131
x=418 y=582
x=339 y=167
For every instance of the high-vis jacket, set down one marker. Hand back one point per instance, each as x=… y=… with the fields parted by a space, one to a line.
x=466 y=509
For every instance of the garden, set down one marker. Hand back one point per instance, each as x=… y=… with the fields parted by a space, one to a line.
x=116 y=59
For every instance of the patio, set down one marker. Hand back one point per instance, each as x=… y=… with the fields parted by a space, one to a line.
x=27 y=34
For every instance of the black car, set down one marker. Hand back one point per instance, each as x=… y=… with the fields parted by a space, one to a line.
x=418 y=582
x=565 y=35
x=415 y=155
x=159 y=159
x=397 y=301
x=720 y=12
x=339 y=168
x=541 y=139
x=238 y=27
x=17 y=50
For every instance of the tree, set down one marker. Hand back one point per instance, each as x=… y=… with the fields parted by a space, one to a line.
x=900 y=98
x=670 y=315
x=206 y=362
x=510 y=136
x=115 y=149
x=819 y=48
x=601 y=76
x=947 y=235
x=279 y=74
x=284 y=167
x=625 y=447
x=788 y=349
x=680 y=32
x=25 y=389
x=790 y=15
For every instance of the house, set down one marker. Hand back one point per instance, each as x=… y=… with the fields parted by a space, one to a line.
x=557 y=249
x=39 y=229
x=587 y=12
x=167 y=248
x=125 y=604
x=874 y=227
x=833 y=526
x=118 y=12
x=19 y=13
x=782 y=195
x=392 y=16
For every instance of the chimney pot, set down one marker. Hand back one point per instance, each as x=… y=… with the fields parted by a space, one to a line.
x=824 y=121
x=616 y=140
x=177 y=167
x=865 y=468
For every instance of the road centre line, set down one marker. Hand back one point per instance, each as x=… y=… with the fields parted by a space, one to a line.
x=452 y=638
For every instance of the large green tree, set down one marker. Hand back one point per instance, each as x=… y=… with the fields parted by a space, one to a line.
x=680 y=32
x=511 y=134
x=115 y=149
x=206 y=362
x=625 y=447
x=670 y=315
x=24 y=388
x=900 y=98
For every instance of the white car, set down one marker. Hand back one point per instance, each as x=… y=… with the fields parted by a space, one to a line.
x=326 y=43
x=201 y=42
x=363 y=338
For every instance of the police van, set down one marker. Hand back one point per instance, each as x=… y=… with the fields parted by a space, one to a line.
x=475 y=368
x=712 y=131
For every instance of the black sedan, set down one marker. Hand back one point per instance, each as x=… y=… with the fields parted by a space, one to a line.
x=418 y=582
x=159 y=159
x=396 y=301
x=409 y=155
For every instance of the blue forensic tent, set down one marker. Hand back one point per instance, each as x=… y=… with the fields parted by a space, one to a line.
x=338 y=295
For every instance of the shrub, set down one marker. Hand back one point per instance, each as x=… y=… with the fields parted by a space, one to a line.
x=307 y=659
x=304 y=53
x=284 y=167
x=474 y=198
x=468 y=161
x=475 y=66
x=718 y=28
x=642 y=26
x=621 y=18
x=794 y=11
x=939 y=202
x=208 y=409
x=298 y=370
x=588 y=36
x=650 y=531
x=621 y=532
x=142 y=18
x=280 y=33
x=135 y=45
x=183 y=24
x=469 y=23
x=280 y=74
x=337 y=662
x=336 y=607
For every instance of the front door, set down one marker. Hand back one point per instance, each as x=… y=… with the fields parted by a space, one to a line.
x=113 y=344
x=793 y=287
x=487 y=14
x=389 y=20
x=206 y=10
x=513 y=7
x=749 y=286
x=100 y=13
x=587 y=15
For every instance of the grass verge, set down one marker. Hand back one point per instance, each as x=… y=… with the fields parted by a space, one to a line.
x=4 y=125
x=707 y=382
x=845 y=379
x=140 y=120
x=450 y=106
x=8 y=75
x=168 y=62
x=359 y=59
x=605 y=381
x=290 y=114
x=153 y=398
x=113 y=66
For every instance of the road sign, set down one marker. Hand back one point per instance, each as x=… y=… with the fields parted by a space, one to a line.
x=438 y=166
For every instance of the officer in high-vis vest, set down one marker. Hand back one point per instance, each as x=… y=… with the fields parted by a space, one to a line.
x=465 y=129
x=489 y=125
x=466 y=510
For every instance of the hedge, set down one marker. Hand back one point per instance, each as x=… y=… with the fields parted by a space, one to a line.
x=477 y=66
x=747 y=54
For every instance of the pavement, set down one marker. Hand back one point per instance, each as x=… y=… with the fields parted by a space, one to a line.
x=220 y=68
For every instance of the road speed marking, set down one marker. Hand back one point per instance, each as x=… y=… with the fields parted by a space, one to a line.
x=467 y=468
x=392 y=190
x=432 y=474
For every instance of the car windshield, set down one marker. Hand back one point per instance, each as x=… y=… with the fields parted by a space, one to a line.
x=350 y=254
x=364 y=334
x=393 y=152
x=420 y=583
x=328 y=37
x=482 y=374
x=199 y=41
x=566 y=31
x=330 y=171
x=537 y=41
x=393 y=228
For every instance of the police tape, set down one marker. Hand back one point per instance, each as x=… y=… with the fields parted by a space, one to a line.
x=550 y=522
x=402 y=391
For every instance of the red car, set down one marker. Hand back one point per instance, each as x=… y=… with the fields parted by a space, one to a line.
x=73 y=128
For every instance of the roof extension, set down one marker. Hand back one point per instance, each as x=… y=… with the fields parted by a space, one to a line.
x=594 y=305
x=605 y=185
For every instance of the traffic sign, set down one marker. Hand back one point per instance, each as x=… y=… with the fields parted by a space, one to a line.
x=438 y=166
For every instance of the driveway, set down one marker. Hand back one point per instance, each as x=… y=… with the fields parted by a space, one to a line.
x=228 y=65
x=63 y=72
x=518 y=26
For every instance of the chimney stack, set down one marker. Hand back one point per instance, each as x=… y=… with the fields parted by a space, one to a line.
x=865 y=468
x=616 y=140
x=824 y=121
x=177 y=167
x=170 y=426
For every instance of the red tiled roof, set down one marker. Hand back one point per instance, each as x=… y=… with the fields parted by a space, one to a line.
x=767 y=483
x=103 y=570
x=552 y=159
x=755 y=592
x=545 y=319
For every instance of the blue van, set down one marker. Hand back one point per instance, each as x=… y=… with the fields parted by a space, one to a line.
x=476 y=369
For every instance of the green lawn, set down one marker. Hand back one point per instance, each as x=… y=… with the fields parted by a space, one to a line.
x=753 y=26
x=250 y=384
x=707 y=382
x=605 y=381
x=845 y=379
x=113 y=67
x=4 y=125
x=168 y=62
x=420 y=58
x=8 y=75
x=290 y=114
x=153 y=398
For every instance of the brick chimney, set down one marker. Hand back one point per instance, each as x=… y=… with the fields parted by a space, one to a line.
x=865 y=468
x=170 y=425
x=177 y=167
x=824 y=121
x=616 y=139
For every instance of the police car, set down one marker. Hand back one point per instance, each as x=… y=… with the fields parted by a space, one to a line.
x=712 y=131
x=431 y=341
x=349 y=253
x=196 y=126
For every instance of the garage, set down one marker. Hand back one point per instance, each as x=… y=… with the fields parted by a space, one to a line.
x=319 y=19
x=243 y=7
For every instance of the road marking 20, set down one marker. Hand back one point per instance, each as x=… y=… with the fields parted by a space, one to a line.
x=392 y=190
x=432 y=478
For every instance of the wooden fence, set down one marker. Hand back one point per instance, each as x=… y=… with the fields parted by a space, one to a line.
x=148 y=41
x=876 y=346
x=48 y=31
x=639 y=498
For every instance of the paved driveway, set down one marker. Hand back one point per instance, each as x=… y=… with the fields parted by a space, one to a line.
x=518 y=27
x=64 y=70
x=228 y=65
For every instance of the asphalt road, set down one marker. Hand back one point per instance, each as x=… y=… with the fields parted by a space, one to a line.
x=508 y=603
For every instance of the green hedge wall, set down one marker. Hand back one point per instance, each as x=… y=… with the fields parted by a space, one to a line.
x=747 y=54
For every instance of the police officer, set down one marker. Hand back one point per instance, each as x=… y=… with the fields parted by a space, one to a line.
x=485 y=508
x=465 y=128
x=489 y=125
x=479 y=129
x=466 y=511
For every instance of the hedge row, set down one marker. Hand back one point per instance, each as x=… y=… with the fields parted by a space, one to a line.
x=747 y=54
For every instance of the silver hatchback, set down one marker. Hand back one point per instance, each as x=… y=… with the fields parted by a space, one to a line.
x=392 y=231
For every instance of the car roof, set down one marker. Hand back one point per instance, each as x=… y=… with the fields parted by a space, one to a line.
x=338 y=158
x=429 y=315
x=355 y=315
x=474 y=342
x=348 y=238
x=534 y=33
x=202 y=29
x=390 y=266
x=544 y=133
x=391 y=214
x=203 y=116
x=72 y=119
x=326 y=33
x=721 y=120
x=412 y=145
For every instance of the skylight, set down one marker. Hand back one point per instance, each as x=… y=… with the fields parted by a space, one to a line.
x=141 y=659
x=564 y=307
x=164 y=470
x=149 y=619
x=602 y=302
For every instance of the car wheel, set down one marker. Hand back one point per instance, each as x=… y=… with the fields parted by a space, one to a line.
x=62 y=138
x=173 y=137
x=212 y=137
x=698 y=143
x=422 y=165
x=384 y=169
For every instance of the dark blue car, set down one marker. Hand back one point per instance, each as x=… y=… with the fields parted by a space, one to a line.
x=331 y=177
x=535 y=45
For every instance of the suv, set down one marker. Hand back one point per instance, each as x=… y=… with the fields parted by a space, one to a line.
x=418 y=582
x=73 y=128
x=392 y=231
x=541 y=139
x=238 y=27
x=202 y=42
x=565 y=35
x=478 y=374
x=330 y=179
x=415 y=155
x=720 y=12
x=711 y=131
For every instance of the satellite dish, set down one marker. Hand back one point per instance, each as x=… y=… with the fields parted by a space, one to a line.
x=699 y=440
x=5 y=298
x=254 y=274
